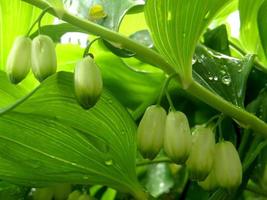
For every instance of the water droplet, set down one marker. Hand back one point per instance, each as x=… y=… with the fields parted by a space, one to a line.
x=193 y=61
x=240 y=70
x=223 y=72
x=226 y=80
x=184 y=34
x=109 y=162
x=215 y=78
x=210 y=78
x=85 y=177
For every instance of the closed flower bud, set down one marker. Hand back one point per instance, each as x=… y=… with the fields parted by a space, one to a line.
x=88 y=83
x=210 y=183
x=44 y=60
x=150 y=131
x=200 y=161
x=19 y=59
x=177 y=138
x=227 y=165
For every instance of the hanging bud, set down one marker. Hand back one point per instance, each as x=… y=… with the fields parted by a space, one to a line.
x=19 y=59
x=177 y=138
x=210 y=183
x=44 y=60
x=227 y=165
x=43 y=193
x=150 y=131
x=85 y=197
x=200 y=161
x=88 y=83
x=61 y=191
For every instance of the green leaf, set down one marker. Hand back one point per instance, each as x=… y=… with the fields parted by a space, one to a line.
x=217 y=39
x=114 y=9
x=223 y=75
x=55 y=32
x=261 y=18
x=54 y=140
x=249 y=30
x=176 y=26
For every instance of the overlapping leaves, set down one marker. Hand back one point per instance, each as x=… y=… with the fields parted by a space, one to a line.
x=176 y=26
x=49 y=139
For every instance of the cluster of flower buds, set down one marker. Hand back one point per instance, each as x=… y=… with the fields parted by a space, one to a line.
x=39 y=54
x=212 y=165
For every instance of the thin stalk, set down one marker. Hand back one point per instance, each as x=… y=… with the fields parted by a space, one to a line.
x=256 y=189
x=155 y=161
x=38 y=20
x=150 y=56
x=215 y=101
x=170 y=101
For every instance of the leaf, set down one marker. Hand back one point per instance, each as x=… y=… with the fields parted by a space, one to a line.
x=55 y=32
x=261 y=19
x=176 y=34
x=217 y=39
x=223 y=75
x=114 y=9
x=249 y=30
x=54 y=140
x=12 y=192
x=159 y=179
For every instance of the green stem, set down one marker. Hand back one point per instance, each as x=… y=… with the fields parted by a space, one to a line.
x=38 y=20
x=142 y=52
x=256 y=189
x=228 y=108
x=150 y=56
x=87 y=49
x=170 y=101
x=155 y=161
x=17 y=103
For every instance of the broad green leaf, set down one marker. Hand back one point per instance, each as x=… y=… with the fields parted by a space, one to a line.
x=249 y=30
x=261 y=19
x=223 y=75
x=217 y=39
x=114 y=10
x=54 y=140
x=176 y=26
x=16 y=18
x=56 y=31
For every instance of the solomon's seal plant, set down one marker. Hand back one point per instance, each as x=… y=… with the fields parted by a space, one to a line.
x=19 y=59
x=216 y=76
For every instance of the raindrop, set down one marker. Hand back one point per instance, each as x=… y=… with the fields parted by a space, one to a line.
x=184 y=34
x=223 y=72
x=226 y=80
x=210 y=78
x=109 y=162
x=240 y=70
x=85 y=177
x=215 y=78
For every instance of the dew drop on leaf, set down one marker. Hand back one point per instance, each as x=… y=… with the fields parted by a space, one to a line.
x=226 y=80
